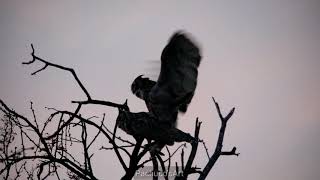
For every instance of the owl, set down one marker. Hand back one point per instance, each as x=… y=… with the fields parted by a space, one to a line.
x=175 y=87
x=166 y=97
x=145 y=125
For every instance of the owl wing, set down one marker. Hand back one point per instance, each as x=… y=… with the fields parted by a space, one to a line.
x=177 y=81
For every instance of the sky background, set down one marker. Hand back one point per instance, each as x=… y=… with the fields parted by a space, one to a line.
x=261 y=57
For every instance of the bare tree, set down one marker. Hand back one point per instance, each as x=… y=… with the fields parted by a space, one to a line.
x=28 y=148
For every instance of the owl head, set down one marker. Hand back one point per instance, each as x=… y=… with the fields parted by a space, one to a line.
x=141 y=86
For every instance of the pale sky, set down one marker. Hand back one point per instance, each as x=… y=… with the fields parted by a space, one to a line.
x=260 y=56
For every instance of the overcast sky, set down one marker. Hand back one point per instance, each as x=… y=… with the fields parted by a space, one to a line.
x=260 y=56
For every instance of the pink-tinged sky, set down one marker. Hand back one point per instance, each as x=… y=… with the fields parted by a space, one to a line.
x=263 y=57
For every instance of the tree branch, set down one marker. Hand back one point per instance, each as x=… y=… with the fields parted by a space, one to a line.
x=46 y=64
x=219 y=145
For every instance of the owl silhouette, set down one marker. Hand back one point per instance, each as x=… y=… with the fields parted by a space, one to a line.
x=170 y=94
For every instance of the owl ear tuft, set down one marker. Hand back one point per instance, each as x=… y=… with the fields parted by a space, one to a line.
x=140 y=77
x=125 y=106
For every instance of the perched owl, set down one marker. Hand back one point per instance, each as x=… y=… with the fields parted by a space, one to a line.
x=143 y=124
x=172 y=93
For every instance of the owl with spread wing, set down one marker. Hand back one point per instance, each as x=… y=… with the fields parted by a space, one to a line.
x=172 y=93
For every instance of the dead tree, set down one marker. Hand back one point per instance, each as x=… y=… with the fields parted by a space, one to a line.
x=29 y=149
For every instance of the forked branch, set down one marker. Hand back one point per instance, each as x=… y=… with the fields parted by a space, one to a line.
x=218 y=151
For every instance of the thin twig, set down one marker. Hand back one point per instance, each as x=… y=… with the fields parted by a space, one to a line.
x=34 y=58
x=206 y=149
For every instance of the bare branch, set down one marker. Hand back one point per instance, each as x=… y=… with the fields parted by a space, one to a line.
x=230 y=153
x=100 y=102
x=34 y=58
x=205 y=147
x=188 y=168
x=219 y=145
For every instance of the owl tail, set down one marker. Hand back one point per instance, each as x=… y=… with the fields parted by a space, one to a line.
x=181 y=136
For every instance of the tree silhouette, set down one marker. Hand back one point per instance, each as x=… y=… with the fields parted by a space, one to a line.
x=29 y=148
